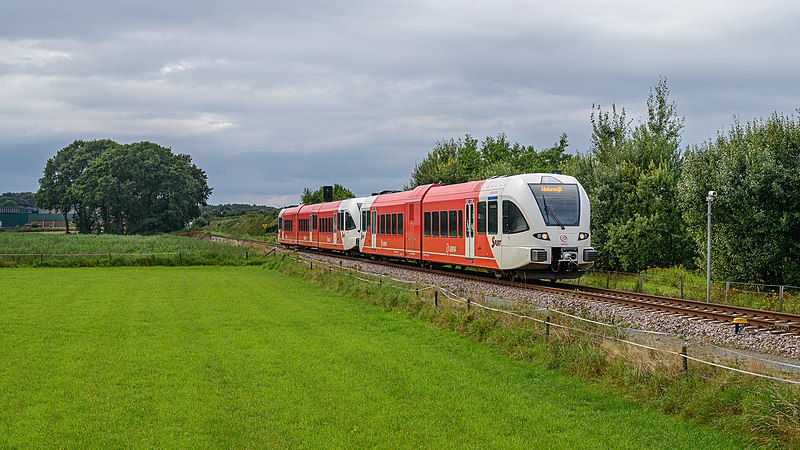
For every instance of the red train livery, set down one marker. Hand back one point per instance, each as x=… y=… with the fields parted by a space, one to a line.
x=531 y=226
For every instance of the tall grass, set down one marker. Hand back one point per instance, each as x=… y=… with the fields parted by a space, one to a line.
x=58 y=250
x=678 y=282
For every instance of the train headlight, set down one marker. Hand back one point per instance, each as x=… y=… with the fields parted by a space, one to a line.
x=583 y=236
x=542 y=236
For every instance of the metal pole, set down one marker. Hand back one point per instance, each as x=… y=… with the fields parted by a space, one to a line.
x=709 y=199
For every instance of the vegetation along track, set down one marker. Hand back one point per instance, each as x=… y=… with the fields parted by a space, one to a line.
x=775 y=322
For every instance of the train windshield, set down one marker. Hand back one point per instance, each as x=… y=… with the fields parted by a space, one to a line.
x=559 y=203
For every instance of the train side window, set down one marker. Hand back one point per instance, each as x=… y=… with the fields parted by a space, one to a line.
x=426 y=223
x=394 y=224
x=443 y=224
x=381 y=224
x=363 y=221
x=513 y=220
x=280 y=224
x=435 y=223
x=454 y=223
x=374 y=222
x=491 y=222
x=481 y=217
x=400 y=224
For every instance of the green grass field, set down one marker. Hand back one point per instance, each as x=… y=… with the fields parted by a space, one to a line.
x=247 y=357
x=58 y=250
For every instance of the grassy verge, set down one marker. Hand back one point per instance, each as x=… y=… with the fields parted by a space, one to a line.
x=44 y=250
x=247 y=357
x=680 y=283
x=767 y=412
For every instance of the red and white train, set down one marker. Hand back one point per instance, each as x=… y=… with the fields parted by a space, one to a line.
x=532 y=226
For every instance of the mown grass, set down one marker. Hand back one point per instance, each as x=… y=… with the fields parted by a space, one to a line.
x=764 y=410
x=247 y=357
x=58 y=250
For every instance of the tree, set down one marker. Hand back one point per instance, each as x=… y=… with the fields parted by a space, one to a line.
x=631 y=176
x=339 y=193
x=137 y=188
x=756 y=172
x=60 y=172
x=457 y=161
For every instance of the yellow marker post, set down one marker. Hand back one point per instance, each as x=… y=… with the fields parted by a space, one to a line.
x=739 y=323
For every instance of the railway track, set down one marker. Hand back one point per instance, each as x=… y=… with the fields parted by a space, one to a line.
x=770 y=321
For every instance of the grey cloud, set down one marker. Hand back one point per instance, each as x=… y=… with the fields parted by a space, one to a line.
x=272 y=97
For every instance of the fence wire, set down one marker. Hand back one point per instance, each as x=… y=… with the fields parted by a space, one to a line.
x=455 y=298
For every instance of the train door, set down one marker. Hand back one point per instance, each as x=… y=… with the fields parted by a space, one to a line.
x=374 y=227
x=335 y=227
x=469 y=229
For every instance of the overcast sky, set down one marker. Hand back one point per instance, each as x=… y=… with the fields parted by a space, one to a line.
x=269 y=97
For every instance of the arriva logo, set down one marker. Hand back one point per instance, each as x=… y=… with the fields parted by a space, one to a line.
x=552 y=189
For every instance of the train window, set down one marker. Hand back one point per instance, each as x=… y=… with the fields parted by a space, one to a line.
x=454 y=224
x=426 y=223
x=363 y=221
x=435 y=223
x=481 y=217
x=280 y=224
x=491 y=219
x=381 y=224
x=349 y=224
x=374 y=223
x=400 y=224
x=513 y=220
x=443 y=224
x=394 y=224
x=559 y=203
x=460 y=223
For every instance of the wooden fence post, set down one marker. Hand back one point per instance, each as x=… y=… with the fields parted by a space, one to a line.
x=684 y=360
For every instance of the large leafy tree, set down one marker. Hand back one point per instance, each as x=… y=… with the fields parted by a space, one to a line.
x=456 y=161
x=755 y=170
x=339 y=193
x=631 y=176
x=138 y=188
x=60 y=173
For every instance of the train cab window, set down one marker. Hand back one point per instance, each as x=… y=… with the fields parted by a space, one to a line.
x=443 y=224
x=394 y=224
x=280 y=224
x=491 y=219
x=481 y=217
x=349 y=224
x=400 y=224
x=435 y=223
x=426 y=221
x=513 y=220
x=460 y=223
x=454 y=223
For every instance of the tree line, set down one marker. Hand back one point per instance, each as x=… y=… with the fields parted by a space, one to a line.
x=138 y=188
x=648 y=194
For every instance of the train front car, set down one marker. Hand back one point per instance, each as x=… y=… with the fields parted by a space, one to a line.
x=544 y=232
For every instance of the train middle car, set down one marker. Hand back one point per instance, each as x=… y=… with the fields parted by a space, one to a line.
x=532 y=226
